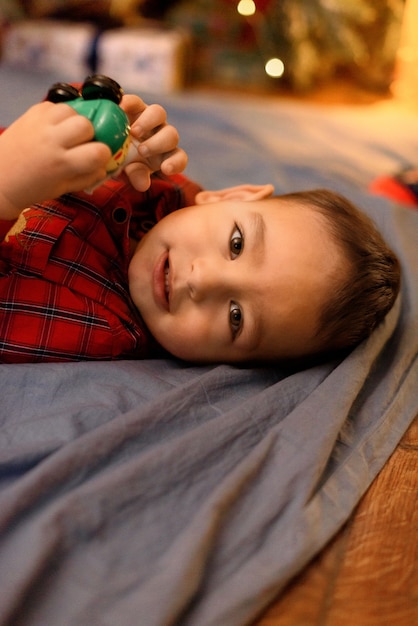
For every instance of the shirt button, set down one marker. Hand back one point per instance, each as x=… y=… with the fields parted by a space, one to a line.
x=119 y=215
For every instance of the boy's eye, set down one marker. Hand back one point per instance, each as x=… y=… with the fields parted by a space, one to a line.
x=235 y=318
x=236 y=243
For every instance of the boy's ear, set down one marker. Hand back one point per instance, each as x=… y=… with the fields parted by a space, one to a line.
x=247 y=193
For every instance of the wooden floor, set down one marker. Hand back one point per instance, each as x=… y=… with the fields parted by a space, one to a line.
x=368 y=575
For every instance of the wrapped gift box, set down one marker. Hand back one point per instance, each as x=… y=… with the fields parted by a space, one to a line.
x=140 y=59
x=144 y=59
x=64 y=48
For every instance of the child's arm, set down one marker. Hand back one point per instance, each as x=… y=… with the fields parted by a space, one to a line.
x=158 y=149
x=45 y=153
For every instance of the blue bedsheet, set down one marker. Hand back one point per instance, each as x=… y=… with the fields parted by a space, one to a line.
x=159 y=493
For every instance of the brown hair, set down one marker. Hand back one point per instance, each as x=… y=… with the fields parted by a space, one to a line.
x=360 y=302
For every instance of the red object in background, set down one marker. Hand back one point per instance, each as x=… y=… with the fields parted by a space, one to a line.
x=262 y=5
x=394 y=189
x=248 y=36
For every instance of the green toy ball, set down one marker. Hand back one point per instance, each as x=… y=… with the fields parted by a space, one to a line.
x=98 y=100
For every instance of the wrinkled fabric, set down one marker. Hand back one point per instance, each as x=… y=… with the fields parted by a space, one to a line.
x=156 y=492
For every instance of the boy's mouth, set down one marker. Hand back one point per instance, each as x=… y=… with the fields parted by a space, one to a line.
x=161 y=282
x=166 y=280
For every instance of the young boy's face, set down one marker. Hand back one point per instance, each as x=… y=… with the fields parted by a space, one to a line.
x=235 y=281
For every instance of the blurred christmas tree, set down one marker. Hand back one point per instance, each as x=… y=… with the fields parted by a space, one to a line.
x=315 y=39
x=318 y=39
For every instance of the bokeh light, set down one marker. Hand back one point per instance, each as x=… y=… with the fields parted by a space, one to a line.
x=274 y=68
x=246 y=7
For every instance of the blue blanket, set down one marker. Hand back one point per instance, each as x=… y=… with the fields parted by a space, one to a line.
x=159 y=493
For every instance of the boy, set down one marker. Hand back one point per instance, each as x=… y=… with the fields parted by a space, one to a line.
x=235 y=275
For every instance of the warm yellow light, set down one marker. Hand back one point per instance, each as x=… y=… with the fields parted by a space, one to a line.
x=274 y=68
x=246 y=7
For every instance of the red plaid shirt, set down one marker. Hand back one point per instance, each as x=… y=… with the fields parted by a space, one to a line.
x=63 y=273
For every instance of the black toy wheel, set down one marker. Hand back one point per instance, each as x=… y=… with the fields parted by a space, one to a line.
x=62 y=92
x=99 y=86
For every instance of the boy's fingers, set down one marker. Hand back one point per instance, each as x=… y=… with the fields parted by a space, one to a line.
x=161 y=143
x=149 y=122
x=139 y=175
x=133 y=107
x=89 y=158
x=175 y=162
x=171 y=162
x=75 y=130
x=87 y=181
x=139 y=172
x=55 y=112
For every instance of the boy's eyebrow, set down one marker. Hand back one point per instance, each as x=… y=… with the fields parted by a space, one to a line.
x=259 y=227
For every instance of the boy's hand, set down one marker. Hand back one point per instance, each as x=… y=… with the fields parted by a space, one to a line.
x=158 y=149
x=47 y=152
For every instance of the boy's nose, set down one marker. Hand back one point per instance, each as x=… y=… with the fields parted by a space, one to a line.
x=209 y=280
